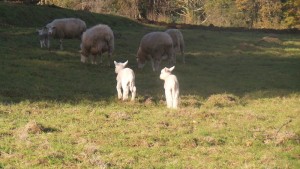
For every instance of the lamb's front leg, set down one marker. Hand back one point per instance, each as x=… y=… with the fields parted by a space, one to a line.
x=119 y=90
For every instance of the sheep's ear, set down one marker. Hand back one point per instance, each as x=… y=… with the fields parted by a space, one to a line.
x=115 y=63
x=172 y=68
x=125 y=63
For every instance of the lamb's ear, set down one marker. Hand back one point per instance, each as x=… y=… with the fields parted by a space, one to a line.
x=115 y=63
x=125 y=63
x=172 y=68
x=165 y=69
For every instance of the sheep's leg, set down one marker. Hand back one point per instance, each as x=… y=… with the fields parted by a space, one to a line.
x=60 y=44
x=41 y=43
x=110 y=55
x=48 y=44
x=119 y=90
x=94 y=61
x=152 y=64
x=125 y=88
x=182 y=54
x=101 y=59
x=157 y=64
x=171 y=57
x=44 y=43
x=168 y=97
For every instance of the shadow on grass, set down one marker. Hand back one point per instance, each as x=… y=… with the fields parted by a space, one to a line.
x=71 y=81
x=216 y=62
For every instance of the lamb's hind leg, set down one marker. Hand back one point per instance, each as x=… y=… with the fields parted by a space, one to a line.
x=125 y=88
x=119 y=90
x=133 y=91
x=175 y=99
x=168 y=98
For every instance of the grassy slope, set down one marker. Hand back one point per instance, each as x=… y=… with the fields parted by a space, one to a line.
x=85 y=126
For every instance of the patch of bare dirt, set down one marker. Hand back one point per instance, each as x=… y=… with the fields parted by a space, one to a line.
x=278 y=138
x=270 y=39
x=120 y=116
x=31 y=127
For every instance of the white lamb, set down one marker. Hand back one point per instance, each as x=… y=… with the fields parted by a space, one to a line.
x=171 y=87
x=43 y=36
x=125 y=80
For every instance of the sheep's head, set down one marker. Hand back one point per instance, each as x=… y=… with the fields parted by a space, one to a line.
x=119 y=66
x=165 y=72
x=51 y=30
x=141 y=59
x=83 y=55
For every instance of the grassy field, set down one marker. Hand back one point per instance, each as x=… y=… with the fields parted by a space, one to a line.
x=239 y=106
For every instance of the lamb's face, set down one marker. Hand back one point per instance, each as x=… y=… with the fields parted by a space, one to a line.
x=165 y=72
x=119 y=66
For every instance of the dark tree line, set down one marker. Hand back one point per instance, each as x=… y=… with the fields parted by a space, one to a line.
x=276 y=14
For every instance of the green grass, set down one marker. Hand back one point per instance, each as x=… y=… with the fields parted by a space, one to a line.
x=238 y=96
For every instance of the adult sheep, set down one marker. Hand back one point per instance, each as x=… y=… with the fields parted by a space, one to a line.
x=66 y=28
x=155 y=46
x=178 y=42
x=97 y=40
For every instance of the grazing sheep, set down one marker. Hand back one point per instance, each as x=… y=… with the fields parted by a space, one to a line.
x=66 y=28
x=155 y=46
x=43 y=36
x=178 y=42
x=171 y=87
x=97 y=40
x=125 y=80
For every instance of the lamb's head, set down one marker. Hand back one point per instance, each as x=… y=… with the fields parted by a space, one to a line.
x=42 y=32
x=119 y=66
x=165 y=72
